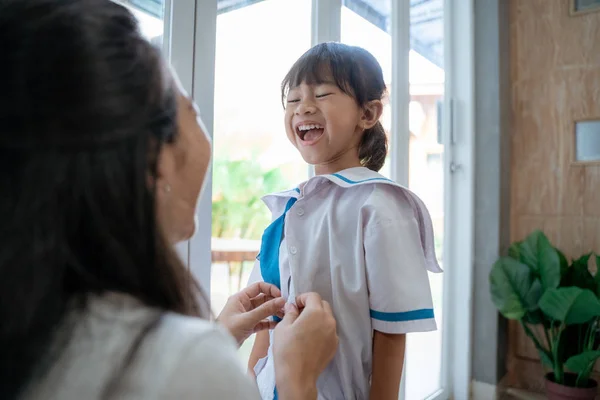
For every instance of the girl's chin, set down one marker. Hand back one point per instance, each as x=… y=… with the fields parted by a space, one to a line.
x=310 y=157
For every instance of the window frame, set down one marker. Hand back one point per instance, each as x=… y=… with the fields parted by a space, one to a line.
x=190 y=44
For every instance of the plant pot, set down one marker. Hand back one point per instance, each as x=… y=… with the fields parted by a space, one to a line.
x=554 y=391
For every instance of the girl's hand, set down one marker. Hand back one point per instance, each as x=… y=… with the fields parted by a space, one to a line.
x=246 y=312
x=305 y=341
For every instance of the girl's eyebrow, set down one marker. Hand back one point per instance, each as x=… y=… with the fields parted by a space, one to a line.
x=322 y=83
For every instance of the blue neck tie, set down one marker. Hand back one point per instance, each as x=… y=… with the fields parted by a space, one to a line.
x=269 y=255
x=269 y=248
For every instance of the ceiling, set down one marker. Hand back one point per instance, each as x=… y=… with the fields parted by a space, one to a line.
x=426 y=20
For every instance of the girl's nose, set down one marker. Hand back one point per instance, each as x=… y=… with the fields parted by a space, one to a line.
x=306 y=108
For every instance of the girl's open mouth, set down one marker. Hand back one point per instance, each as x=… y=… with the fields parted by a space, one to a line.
x=309 y=133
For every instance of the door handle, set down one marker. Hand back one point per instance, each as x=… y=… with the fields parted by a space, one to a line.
x=454 y=167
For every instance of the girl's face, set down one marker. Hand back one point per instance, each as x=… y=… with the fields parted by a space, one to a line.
x=326 y=125
x=182 y=167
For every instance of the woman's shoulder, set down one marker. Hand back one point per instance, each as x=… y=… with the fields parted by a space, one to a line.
x=138 y=351
x=203 y=358
x=192 y=357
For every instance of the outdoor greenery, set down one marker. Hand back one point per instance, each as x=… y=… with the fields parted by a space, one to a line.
x=555 y=301
x=238 y=211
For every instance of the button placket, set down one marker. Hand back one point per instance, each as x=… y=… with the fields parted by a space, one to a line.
x=292 y=250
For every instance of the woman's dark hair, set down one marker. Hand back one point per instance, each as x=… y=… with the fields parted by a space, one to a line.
x=86 y=105
x=357 y=73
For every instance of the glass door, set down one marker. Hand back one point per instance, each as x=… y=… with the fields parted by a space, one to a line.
x=255 y=47
x=169 y=25
x=407 y=38
x=233 y=54
x=424 y=354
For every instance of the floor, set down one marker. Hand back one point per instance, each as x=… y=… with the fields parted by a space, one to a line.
x=516 y=394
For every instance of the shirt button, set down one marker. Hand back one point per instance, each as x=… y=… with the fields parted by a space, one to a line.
x=300 y=211
x=293 y=249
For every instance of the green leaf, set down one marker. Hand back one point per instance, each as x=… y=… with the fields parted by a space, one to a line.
x=514 y=251
x=582 y=362
x=579 y=274
x=597 y=277
x=545 y=358
x=238 y=187
x=564 y=264
x=534 y=294
x=571 y=305
x=537 y=253
x=513 y=288
x=537 y=317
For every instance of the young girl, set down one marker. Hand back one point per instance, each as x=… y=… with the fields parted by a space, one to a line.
x=360 y=240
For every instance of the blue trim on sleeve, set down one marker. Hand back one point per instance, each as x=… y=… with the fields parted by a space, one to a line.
x=364 y=180
x=425 y=313
x=297 y=190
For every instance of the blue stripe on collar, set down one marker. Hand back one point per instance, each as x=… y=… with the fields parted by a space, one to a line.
x=364 y=180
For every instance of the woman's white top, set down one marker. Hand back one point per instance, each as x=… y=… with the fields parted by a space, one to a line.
x=365 y=244
x=180 y=358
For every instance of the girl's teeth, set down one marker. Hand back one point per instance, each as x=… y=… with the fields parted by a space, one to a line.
x=309 y=127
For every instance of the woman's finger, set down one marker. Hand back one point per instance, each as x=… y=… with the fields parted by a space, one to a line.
x=264 y=325
x=245 y=300
x=261 y=287
x=291 y=314
x=327 y=307
x=269 y=308
x=310 y=300
x=259 y=301
x=280 y=314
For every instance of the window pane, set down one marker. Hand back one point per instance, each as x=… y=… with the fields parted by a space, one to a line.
x=150 y=14
x=257 y=43
x=426 y=177
x=366 y=24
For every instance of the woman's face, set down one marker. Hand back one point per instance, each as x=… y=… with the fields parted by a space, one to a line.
x=182 y=167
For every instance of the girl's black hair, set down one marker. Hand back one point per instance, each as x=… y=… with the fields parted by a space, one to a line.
x=357 y=73
x=86 y=105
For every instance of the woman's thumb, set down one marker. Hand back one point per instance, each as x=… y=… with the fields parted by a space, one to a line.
x=291 y=314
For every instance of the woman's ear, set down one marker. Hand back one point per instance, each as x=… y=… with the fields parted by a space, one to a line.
x=371 y=113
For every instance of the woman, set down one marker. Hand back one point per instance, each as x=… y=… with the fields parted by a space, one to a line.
x=102 y=161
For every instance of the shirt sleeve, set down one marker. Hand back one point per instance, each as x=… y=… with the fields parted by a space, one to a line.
x=398 y=282
x=211 y=369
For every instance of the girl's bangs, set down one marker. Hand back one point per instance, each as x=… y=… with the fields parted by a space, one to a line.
x=315 y=68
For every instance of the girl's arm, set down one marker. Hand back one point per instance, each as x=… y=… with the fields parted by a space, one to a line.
x=259 y=350
x=388 y=361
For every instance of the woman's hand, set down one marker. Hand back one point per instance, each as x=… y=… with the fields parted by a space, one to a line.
x=305 y=341
x=246 y=312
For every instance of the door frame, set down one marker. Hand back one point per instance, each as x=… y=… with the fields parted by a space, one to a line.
x=458 y=139
x=459 y=178
x=178 y=48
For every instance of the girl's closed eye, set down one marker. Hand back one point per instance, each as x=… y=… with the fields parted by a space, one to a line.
x=293 y=100
x=320 y=96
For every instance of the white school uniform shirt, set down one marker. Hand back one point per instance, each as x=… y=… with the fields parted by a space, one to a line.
x=365 y=244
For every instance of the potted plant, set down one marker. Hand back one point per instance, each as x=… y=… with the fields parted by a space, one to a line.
x=556 y=303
